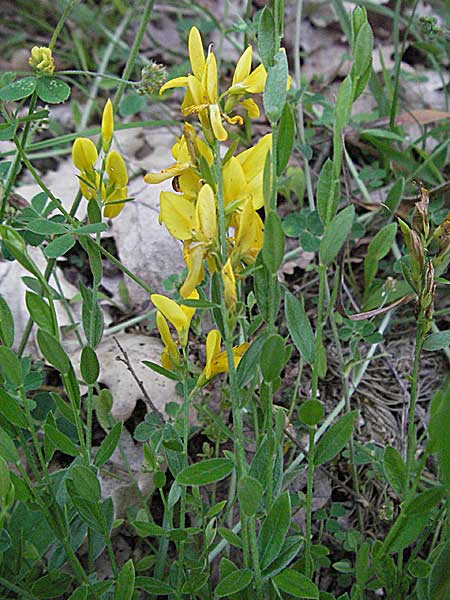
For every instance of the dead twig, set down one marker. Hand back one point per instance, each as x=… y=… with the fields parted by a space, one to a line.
x=124 y=358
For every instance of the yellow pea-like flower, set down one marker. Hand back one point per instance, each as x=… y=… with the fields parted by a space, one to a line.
x=179 y=316
x=170 y=356
x=217 y=361
x=178 y=215
x=205 y=212
x=116 y=169
x=84 y=154
x=107 y=125
x=229 y=285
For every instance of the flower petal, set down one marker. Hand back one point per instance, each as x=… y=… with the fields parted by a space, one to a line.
x=116 y=169
x=206 y=214
x=209 y=80
x=220 y=133
x=176 y=82
x=234 y=181
x=196 y=52
x=243 y=66
x=251 y=107
x=84 y=154
x=171 y=311
x=255 y=82
x=178 y=215
x=194 y=262
x=213 y=341
x=107 y=125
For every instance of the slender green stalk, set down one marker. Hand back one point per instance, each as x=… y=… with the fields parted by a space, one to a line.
x=300 y=116
x=411 y=448
x=14 y=168
x=133 y=53
x=309 y=494
x=273 y=199
x=186 y=405
x=255 y=558
x=61 y=22
x=319 y=331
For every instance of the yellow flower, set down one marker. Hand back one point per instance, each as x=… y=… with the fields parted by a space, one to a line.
x=229 y=285
x=202 y=96
x=249 y=238
x=84 y=154
x=217 y=361
x=170 y=357
x=107 y=125
x=186 y=152
x=42 y=60
x=116 y=188
x=179 y=316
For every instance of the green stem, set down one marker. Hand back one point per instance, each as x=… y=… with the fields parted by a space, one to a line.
x=133 y=53
x=273 y=199
x=14 y=168
x=319 y=331
x=61 y=21
x=186 y=405
x=411 y=449
x=255 y=558
x=309 y=494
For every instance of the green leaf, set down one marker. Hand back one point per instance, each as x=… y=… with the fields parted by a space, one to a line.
x=344 y=103
x=324 y=191
x=230 y=537
x=161 y=370
x=362 y=51
x=125 y=583
x=60 y=246
x=10 y=409
x=6 y=324
x=274 y=530
x=10 y=366
x=310 y=412
x=285 y=139
x=299 y=327
x=89 y=365
x=273 y=246
x=294 y=583
x=289 y=551
x=233 y=583
x=131 y=104
x=335 y=438
x=90 y=228
x=5 y=479
x=272 y=359
x=51 y=585
x=53 y=352
x=108 y=445
x=382 y=242
x=335 y=234
x=52 y=90
x=395 y=470
x=437 y=341
x=250 y=492
x=86 y=483
x=267 y=290
x=205 y=472
x=266 y=37
x=7 y=448
x=18 y=90
x=395 y=195
x=275 y=90
x=439 y=581
x=362 y=570
x=383 y=134
x=153 y=586
x=39 y=311
x=46 y=227
x=249 y=362
x=198 y=303
x=61 y=441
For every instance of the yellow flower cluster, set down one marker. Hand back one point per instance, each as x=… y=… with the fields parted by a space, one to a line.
x=180 y=317
x=190 y=212
x=110 y=191
x=41 y=59
x=202 y=96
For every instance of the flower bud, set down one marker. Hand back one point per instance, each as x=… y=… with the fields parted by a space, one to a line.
x=107 y=125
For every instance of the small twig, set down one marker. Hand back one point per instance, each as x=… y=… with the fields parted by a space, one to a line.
x=124 y=358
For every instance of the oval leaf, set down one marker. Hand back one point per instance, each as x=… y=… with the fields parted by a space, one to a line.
x=332 y=442
x=233 y=583
x=205 y=472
